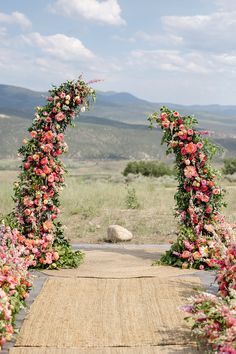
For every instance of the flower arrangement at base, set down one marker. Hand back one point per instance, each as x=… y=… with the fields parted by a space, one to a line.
x=213 y=317
x=15 y=281
x=214 y=321
x=36 y=193
x=198 y=198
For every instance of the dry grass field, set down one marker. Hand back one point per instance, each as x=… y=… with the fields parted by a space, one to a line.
x=96 y=196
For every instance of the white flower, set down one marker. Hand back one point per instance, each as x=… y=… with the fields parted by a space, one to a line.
x=82 y=109
x=204 y=251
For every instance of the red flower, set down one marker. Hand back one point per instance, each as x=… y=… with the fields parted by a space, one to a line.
x=26 y=165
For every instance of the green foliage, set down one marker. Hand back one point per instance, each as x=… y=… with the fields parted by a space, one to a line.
x=68 y=258
x=148 y=168
x=131 y=200
x=229 y=166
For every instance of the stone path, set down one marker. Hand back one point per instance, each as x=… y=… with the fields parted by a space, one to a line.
x=115 y=303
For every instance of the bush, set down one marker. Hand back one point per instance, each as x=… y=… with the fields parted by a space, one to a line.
x=229 y=166
x=131 y=199
x=148 y=168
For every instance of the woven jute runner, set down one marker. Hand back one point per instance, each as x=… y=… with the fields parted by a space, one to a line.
x=169 y=349
x=132 y=312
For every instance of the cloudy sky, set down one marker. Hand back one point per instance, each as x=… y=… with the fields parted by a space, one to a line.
x=181 y=51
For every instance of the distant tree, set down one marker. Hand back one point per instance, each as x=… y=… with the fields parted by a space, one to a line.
x=229 y=166
x=148 y=168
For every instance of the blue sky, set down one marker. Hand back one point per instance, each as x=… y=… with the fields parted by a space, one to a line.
x=181 y=51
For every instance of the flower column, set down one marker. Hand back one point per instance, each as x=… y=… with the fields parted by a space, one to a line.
x=36 y=193
x=198 y=198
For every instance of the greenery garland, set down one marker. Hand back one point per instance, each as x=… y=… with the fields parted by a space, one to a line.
x=36 y=193
x=198 y=198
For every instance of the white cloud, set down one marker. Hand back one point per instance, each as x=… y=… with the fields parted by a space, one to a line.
x=15 y=18
x=226 y=5
x=193 y=62
x=106 y=11
x=213 y=32
x=60 y=46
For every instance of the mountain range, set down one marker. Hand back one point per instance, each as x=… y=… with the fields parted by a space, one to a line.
x=115 y=128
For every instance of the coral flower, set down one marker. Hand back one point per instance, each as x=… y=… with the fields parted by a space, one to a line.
x=33 y=134
x=47 y=225
x=49 y=135
x=197 y=255
x=47 y=147
x=190 y=171
x=205 y=198
x=191 y=148
x=186 y=254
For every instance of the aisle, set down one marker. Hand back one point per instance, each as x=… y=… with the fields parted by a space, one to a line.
x=115 y=303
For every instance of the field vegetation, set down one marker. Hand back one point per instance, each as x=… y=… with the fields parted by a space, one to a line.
x=97 y=195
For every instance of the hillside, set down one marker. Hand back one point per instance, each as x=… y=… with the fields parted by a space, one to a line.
x=89 y=140
x=115 y=128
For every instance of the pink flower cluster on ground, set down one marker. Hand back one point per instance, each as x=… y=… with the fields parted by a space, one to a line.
x=14 y=280
x=214 y=321
x=226 y=276
x=214 y=317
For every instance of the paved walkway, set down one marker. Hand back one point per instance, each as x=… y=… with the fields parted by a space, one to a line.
x=115 y=303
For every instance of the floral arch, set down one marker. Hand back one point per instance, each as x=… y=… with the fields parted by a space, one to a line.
x=36 y=193
x=205 y=240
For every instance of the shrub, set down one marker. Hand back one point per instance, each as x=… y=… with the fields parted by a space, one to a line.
x=131 y=199
x=148 y=168
x=229 y=166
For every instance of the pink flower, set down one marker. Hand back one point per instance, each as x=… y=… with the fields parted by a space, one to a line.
x=60 y=116
x=163 y=116
x=60 y=137
x=166 y=124
x=190 y=171
x=190 y=131
x=205 y=198
x=51 y=178
x=199 y=145
x=175 y=114
x=62 y=95
x=216 y=191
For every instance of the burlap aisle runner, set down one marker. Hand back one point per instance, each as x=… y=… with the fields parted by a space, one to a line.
x=106 y=315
